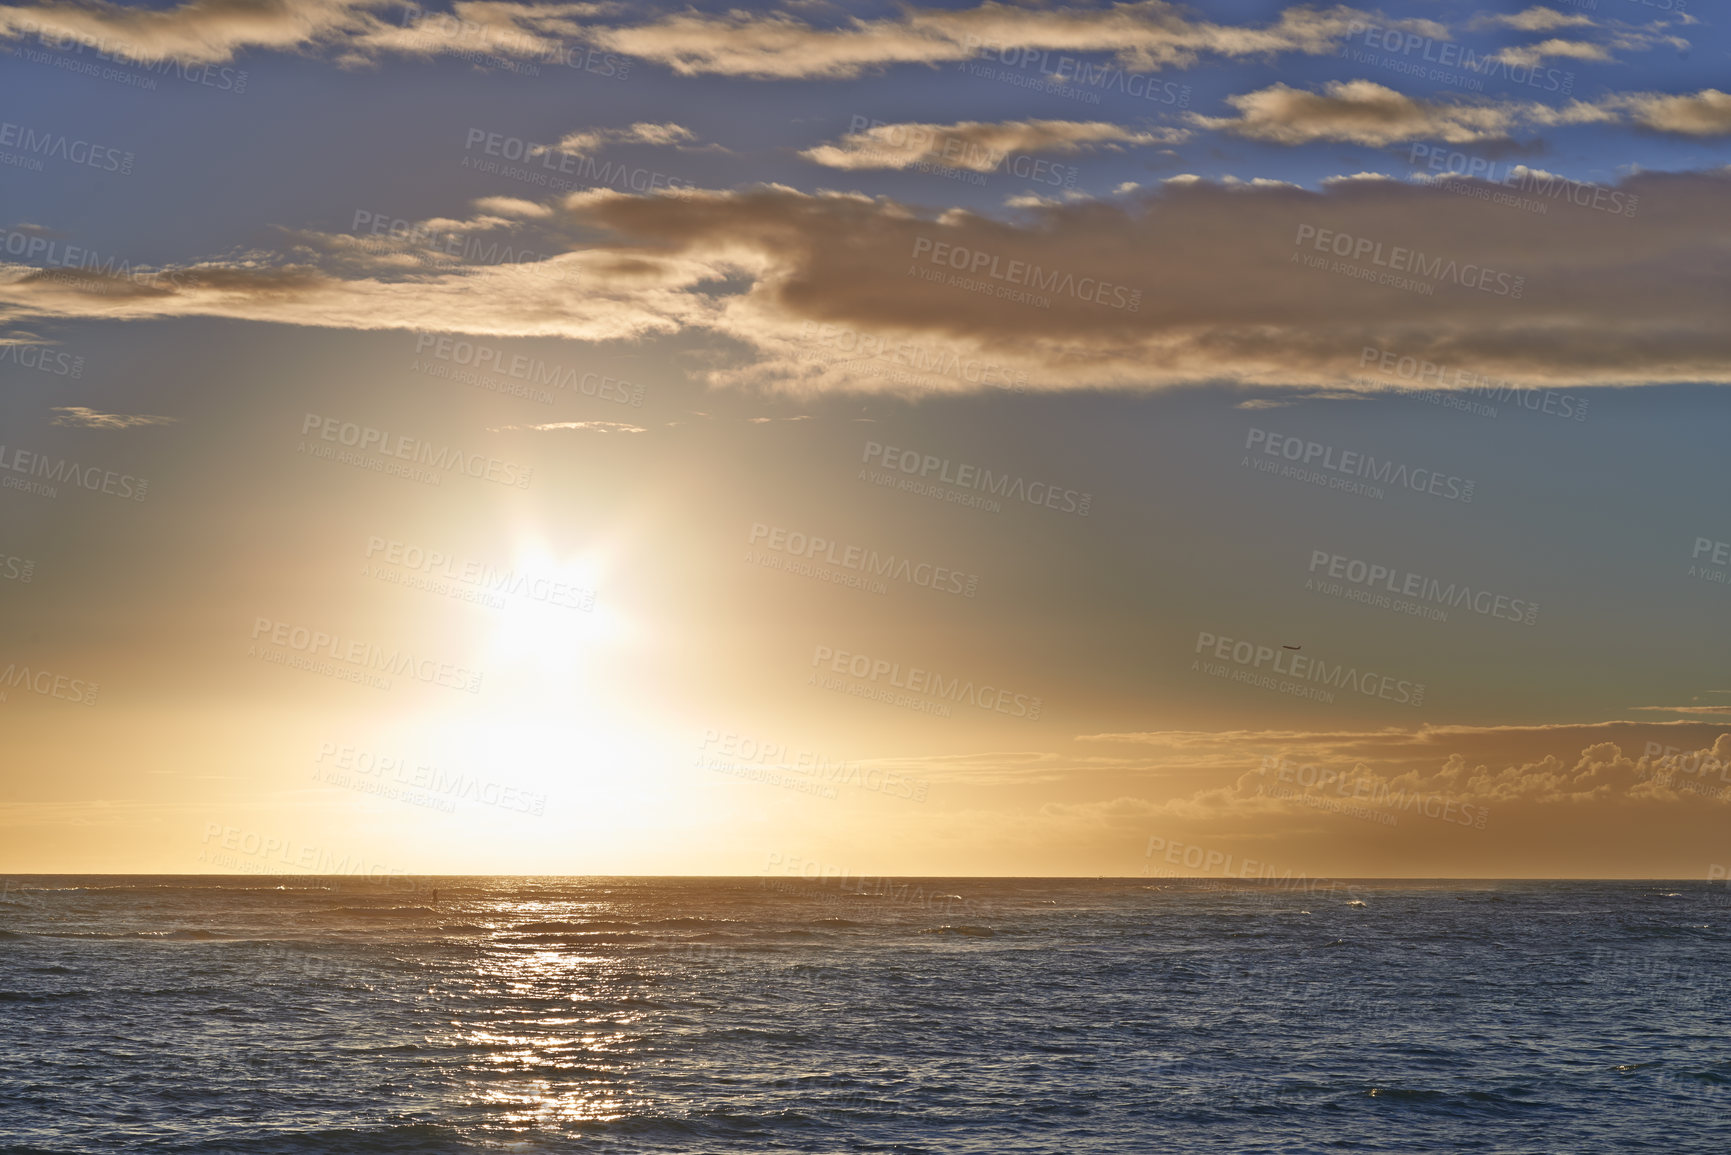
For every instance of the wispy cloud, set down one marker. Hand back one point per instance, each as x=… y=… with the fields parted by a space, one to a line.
x=575 y=426
x=1146 y=35
x=975 y=146
x=82 y=417
x=1364 y=112
x=591 y=140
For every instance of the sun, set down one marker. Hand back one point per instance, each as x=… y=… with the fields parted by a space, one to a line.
x=555 y=628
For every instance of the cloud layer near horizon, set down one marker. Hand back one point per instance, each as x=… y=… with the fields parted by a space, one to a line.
x=1500 y=794
x=1257 y=285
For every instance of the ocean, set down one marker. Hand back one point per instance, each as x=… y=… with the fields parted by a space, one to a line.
x=305 y=1014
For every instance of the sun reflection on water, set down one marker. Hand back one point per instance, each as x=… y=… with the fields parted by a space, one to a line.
x=551 y=1032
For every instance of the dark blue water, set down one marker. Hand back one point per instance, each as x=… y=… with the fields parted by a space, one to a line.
x=747 y=1015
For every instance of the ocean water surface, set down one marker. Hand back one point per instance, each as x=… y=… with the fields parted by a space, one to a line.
x=289 y=1015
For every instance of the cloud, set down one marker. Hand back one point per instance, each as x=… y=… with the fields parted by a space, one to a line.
x=1590 y=800
x=1536 y=19
x=578 y=426
x=23 y=337
x=591 y=140
x=341 y=282
x=472 y=27
x=1347 y=177
x=1147 y=35
x=512 y=207
x=1033 y=200
x=976 y=146
x=1705 y=113
x=1548 y=765
x=1223 y=296
x=1362 y=112
x=216 y=31
x=812 y=293
x=1532 y=55
x=81 y=417
x=1003 y=768
x=1599 y=774
x=200 y=31
x=1611 y=35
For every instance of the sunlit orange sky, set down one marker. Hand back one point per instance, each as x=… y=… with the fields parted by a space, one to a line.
x=858 y=440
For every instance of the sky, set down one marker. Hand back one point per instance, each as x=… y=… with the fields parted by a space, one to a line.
x=855 y=440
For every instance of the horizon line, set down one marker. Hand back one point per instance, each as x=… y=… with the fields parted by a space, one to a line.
x=983 y=877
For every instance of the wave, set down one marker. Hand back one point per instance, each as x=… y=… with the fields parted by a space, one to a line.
x=193 y=935
x=572 y=938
